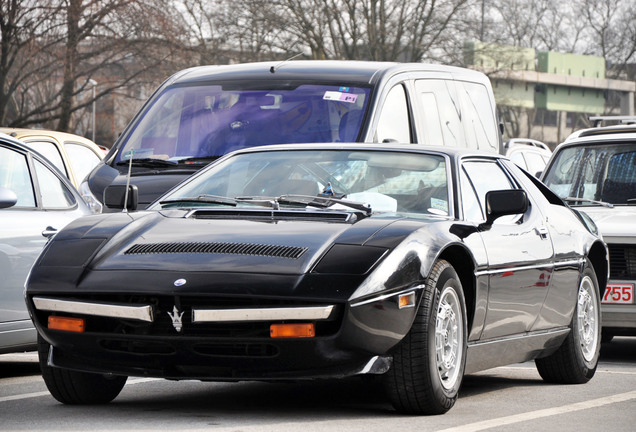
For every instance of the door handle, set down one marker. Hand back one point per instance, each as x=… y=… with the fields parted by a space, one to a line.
x=542 y=232
x=49 y=232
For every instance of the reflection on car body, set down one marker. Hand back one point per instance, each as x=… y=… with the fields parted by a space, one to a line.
x=310 y=261
x=595 y=171
x=35 y=201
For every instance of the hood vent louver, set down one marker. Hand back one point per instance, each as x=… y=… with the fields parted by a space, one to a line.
x=292 y=252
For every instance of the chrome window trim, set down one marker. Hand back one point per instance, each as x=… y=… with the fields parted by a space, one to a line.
x=141 y=313
x=262 y=314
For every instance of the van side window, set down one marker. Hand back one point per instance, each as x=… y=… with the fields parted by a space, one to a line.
x=433 y=128
x=394 y=124
x=479 y=124
x=445 y=115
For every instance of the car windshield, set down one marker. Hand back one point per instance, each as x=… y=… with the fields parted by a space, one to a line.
x=596 y=174
x=207 y=121
x=384 y=180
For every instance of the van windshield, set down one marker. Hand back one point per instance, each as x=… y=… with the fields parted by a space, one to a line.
x=207 y=121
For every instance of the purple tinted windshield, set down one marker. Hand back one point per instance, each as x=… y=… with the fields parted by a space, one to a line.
x=208 y=121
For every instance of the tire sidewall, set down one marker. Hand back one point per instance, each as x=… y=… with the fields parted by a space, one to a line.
x=447 y=279
x=589 y=367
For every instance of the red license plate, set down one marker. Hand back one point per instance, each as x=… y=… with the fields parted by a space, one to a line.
x=619 y=294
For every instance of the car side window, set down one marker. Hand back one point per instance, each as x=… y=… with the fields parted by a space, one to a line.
x=470 y=204
x=536 y=162
x=50 y=151
x=394 y=124
x=486 y=176
x=81 y=158
x=518 y=158
x=55 y=194
x=14 y=175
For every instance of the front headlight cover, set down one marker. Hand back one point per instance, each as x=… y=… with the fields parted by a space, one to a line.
x=91 y=201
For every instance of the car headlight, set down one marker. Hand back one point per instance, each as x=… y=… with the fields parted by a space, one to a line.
x=91 y=201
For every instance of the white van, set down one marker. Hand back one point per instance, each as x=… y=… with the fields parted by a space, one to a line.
x=202 y=113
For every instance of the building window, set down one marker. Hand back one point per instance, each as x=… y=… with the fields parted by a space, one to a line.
x=545 y=118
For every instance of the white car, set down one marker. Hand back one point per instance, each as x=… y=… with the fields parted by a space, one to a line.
x=529 y=154
x=595 y=171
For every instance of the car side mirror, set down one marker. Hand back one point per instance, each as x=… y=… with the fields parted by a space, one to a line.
x=8 y=198
x=115 y=196
x=505 y=202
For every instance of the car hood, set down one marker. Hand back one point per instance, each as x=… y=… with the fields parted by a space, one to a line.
x=229 y=241
x=613 y=222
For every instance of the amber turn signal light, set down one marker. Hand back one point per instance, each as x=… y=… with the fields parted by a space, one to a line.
x=406 y=300
x=292 y=330
x=66 y=324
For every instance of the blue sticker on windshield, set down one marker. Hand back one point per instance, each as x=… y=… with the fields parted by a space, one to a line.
x=344 y=89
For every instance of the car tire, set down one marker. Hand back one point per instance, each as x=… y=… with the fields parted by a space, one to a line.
x=428 y=364
x=576 y=360
x=77 y=388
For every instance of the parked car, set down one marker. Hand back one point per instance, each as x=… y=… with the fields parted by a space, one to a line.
x=595 y=171
x=202 y=113
x=74 y=155
x=35 y=201
x=529 y=154
x=309 y=261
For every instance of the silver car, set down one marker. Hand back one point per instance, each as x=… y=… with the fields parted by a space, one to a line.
x=36 y=201
x=595 y=171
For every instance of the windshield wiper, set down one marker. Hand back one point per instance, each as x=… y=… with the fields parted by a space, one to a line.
x=149 y=163
x=602 y=203
x=323 y=202
x=208 y=199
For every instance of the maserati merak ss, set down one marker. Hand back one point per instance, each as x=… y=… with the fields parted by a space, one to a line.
x=293 y=262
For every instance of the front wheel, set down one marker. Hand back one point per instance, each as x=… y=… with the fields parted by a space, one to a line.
x=576 y=360
x=428 y=365
x=77 y=388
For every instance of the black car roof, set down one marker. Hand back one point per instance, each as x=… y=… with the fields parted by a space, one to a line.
x=317 y=70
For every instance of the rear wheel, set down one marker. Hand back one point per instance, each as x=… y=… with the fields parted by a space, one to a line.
x=576 y=360
x=77 y=388
x=428 y=365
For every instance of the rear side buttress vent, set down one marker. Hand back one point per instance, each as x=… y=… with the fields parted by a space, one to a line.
x=292 y=252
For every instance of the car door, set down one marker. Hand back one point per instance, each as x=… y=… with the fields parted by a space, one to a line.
x=45 y=204
x=520 y=254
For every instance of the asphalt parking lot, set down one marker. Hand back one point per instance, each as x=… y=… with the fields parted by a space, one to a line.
x=512 y=398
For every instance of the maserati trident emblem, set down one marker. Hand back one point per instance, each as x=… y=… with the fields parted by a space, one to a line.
x=176 y=318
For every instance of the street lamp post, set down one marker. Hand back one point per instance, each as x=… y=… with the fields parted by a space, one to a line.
x=94 y=84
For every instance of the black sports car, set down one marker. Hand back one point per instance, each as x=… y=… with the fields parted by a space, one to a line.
x=328 y=260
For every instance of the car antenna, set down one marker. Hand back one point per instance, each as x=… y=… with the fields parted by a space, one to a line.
x=273 y=69
x=125 y=210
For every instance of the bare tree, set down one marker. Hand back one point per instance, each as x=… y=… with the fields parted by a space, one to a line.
x=55 y=48
x=383 y=30
x=25 y=28
x=610 y=31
